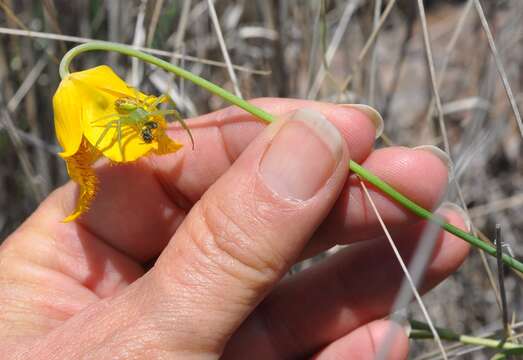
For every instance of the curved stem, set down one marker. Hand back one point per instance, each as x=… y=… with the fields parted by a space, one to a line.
x=265 y=116
x=122 y=49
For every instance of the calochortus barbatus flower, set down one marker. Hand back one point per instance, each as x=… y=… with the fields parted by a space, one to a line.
x=98 y=115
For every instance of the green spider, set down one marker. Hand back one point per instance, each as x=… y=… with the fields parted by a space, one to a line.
x=138 y=115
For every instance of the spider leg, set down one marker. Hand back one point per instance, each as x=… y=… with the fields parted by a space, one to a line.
x=119 y=130
x=186 y=128
x=136 y=97
x=107 y=126
x=139 y=102
x=104 y=118
x=170 y=100
x=158 y=101
x=162 y=112
x=178 y=118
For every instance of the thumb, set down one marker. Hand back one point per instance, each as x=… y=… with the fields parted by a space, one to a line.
x=248 y=229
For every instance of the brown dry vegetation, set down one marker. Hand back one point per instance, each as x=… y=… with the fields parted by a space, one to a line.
x=299 y=52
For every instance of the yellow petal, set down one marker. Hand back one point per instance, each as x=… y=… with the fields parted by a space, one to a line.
x=79 y=168
x=104 y=79
x=67 y=117
x=166 y=145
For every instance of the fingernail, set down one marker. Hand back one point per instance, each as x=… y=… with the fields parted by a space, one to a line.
x=302 y=155
x=447 y=205
x=440 y=154
x=371 y=113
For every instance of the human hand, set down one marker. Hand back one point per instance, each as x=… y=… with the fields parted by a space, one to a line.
x=223 y=224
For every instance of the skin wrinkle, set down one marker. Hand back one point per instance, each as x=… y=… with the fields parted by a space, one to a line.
x=116 y=260
x=261 y=207
x=226 y=151
x=209 y=251
x=340 y=283
x=53 y=243
x=190 y=281
x=231 y=244
x=201 y=177
x=30 y=280
x=98 y=237
x=193 y=280
x=86 y=229
x=42 y=238
x=263 y=213
x=180 y=201
x=189 y=320
x=371 y=338
x=270 y=319
x=54 y=312
x=14 y=252
x=50 y=239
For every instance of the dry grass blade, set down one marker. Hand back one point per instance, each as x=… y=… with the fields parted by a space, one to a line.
x=138 y=41
x=374 y=58
x=501 y=283
x=491 y=278
x=511 y=202
x=27 y=84
x=51 y=11
x=82 y=40
x=32 y=140
x=182 y=24
x=223 y=47
x=333 y=46
x=448 y=50
x=12 y=16
x=23 y=156
x=393 y=89
x=370 y=41
x=165 y=85
x=383 y=353
x=154 y=22
x=432 y=72
x=499 y=65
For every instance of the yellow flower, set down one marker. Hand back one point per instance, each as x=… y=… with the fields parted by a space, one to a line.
x=97 y=114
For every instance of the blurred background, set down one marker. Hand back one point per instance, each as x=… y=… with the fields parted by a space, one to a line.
x=388 y=54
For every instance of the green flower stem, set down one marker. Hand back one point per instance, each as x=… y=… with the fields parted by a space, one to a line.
x=425 y=214
x=420 y=330
x=265 y=116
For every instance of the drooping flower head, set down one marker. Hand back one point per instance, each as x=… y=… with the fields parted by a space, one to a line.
x=97 y=114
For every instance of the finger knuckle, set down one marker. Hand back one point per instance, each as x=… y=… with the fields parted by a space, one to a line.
x=233 y=243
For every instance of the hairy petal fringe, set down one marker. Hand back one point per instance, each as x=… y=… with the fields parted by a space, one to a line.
x=79 y=167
